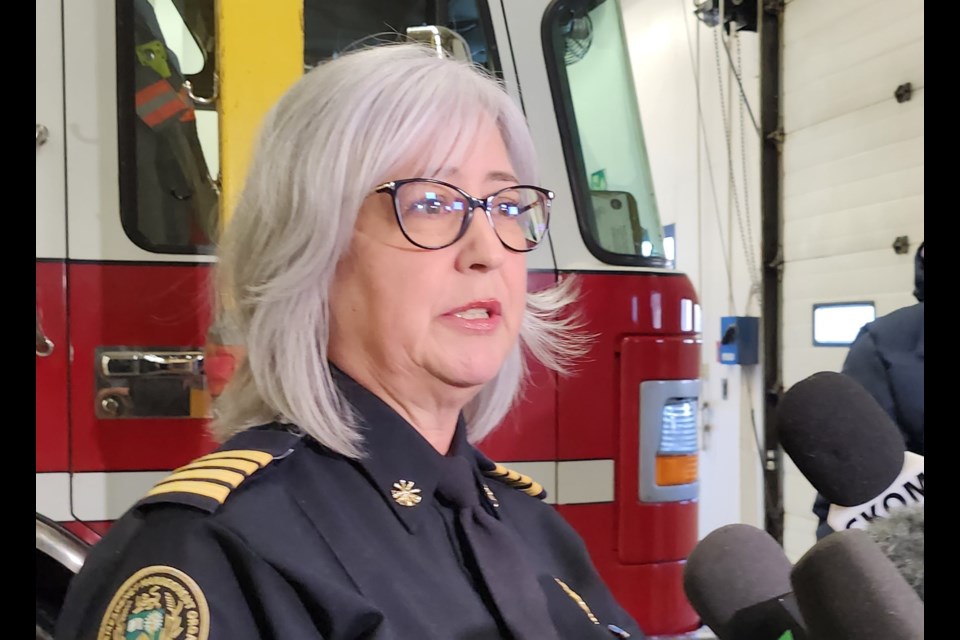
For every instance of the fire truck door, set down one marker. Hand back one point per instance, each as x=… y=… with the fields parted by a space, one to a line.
x=140 y=209
x=51 y=346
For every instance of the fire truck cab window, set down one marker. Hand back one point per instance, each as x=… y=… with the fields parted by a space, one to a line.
x=168 y=124
x=599 y=119
x=462 y=27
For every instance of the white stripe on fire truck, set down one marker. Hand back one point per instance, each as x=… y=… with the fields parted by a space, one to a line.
x=106 y=495
x=53 y=496
x=570 y=481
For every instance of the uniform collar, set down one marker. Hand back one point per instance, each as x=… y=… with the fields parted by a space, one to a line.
x=396 y=455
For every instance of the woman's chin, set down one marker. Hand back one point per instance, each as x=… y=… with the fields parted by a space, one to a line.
x=470 y=372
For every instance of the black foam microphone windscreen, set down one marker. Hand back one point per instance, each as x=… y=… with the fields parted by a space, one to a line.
x=738 y=579
x=848 y=589
x=840 y=438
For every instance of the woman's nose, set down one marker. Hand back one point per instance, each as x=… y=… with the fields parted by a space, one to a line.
x=481 y=247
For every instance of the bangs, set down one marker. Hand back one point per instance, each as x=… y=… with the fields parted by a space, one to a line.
x=424 y=133
x=436 y=139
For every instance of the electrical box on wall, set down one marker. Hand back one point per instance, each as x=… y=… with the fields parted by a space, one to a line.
x=739 y=340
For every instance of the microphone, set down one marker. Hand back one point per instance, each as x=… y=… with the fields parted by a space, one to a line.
x=738 y=580
x=849 y=449
x=848 y=589
x=900 y=538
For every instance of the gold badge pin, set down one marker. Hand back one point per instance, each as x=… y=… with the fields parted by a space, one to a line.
x=404 y=493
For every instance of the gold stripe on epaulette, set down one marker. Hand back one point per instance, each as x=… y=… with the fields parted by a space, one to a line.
x=207 y=489
x=260 y=457
x=516 y=480
x=513 y=476
x=214 y=475
x=243 y=466
x=535 y=489
x=232 y=478
x=501 y=471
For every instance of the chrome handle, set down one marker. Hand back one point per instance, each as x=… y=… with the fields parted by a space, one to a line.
x=44 y=344
x=441 y=39
x=54 y=542
x=125 y=364
x=200 y=99
x=42 y=134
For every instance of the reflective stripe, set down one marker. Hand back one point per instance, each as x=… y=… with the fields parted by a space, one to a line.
x=571 y=481
x=190 y=115
x=107 y=495
x=53 y=496
x=158 y=102
x=585 y=481
x=159 y=89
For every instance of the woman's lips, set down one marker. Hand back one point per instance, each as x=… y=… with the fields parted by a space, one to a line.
x=479 y=316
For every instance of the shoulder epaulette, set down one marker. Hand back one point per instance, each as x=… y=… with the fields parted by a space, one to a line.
x=512 y=478
x=206 y=482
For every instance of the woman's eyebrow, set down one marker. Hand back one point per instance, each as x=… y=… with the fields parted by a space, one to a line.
x=502 y=176
x=451 y=173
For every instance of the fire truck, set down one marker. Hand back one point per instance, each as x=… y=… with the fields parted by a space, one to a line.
x=146 y=112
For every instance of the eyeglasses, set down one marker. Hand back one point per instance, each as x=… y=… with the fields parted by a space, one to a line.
x=433 y=214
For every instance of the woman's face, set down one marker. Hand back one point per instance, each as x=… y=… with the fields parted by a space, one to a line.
x=407 y=316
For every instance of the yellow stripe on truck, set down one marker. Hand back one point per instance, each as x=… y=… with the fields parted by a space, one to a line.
x=259 y=56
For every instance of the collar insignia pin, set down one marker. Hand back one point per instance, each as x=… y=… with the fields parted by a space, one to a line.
x=404 y=493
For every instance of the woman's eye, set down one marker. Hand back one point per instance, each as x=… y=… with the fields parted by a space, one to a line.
x=509 y=208
x=428 y=206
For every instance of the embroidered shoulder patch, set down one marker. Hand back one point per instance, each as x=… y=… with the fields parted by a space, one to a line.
x=157 y=603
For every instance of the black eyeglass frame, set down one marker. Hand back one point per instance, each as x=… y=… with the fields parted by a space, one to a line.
x=392 y=188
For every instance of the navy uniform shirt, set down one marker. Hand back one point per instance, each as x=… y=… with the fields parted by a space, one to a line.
x=275 y=536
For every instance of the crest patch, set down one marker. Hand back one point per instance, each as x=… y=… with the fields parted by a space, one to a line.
x=157 y=603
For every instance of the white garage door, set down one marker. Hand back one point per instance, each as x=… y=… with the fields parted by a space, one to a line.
x=853 y=181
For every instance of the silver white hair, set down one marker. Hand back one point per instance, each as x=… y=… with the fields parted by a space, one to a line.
x=342 y=129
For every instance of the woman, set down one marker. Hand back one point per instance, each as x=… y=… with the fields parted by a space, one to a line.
x=382 y=310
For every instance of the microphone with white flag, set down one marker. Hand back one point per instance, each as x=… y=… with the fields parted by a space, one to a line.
x=905 y=490
x=850 y=450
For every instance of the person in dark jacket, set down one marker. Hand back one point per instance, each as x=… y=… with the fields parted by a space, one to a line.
x=887 y=359
x=177 y=200
x=374 y=273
